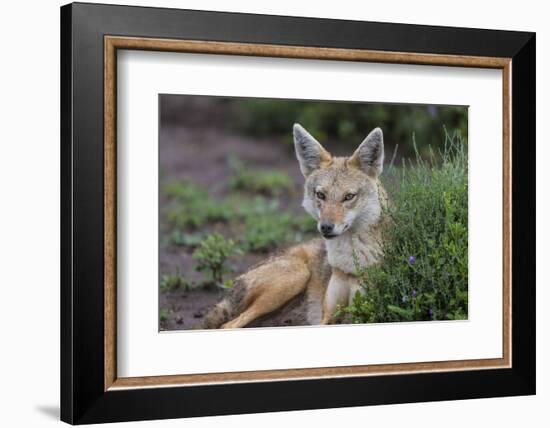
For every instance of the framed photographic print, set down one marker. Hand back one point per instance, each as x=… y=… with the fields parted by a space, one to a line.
x=266 y=213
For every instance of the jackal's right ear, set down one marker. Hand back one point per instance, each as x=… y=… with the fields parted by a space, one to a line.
x=309 y=151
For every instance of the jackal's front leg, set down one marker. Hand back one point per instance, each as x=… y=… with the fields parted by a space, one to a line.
x=337 y=293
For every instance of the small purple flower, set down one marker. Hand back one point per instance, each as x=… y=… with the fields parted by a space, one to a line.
x=405 y=299
x=413 y=293
x=430 y=312
x=411 y=260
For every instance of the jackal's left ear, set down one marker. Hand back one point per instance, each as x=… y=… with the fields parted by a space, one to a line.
x=369 y=156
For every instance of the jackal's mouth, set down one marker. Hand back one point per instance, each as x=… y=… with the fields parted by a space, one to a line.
x=329 y=235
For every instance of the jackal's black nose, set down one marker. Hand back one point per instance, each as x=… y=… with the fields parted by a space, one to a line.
x=327 y=228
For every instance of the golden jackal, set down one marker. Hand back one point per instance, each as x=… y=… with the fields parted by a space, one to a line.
x=345 y=196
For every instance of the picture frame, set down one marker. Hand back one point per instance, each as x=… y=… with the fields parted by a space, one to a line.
x=91 y=391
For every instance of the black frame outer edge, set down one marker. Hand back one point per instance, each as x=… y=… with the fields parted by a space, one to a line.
x=82 y=397
x=524 y=213
x=66 y=369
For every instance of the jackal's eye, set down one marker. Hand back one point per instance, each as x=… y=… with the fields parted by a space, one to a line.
x=349 y=196
x=320 y=195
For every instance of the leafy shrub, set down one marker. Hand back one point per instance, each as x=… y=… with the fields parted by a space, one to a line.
x=264 y=181
x=212 y=256
x=424 y=273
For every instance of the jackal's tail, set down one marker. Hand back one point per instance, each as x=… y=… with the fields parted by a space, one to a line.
x=226 y=309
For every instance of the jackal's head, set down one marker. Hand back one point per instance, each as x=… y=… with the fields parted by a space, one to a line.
x=341 y=193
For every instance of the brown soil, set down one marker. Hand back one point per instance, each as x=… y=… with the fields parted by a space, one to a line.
x=187 y=308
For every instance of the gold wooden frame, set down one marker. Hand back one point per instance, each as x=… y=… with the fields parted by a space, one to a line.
x=113 y=43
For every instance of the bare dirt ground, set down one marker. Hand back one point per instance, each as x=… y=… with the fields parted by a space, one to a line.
x=198 y=152
x=189 y=307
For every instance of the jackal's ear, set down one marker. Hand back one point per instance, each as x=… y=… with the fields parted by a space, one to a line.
x=309 y=151
x=369 y=156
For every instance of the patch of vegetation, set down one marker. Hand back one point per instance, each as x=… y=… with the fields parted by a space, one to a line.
x=212 y=256
x=164 y=314
x=266 y=227
x=174 y=282
x=192 y=207
x=183 y=191
x=182 y=239
x=245 y=207
x=257 y=223
x=424 y=274
x=260 y=181
x=269 y=231
x=227 y=284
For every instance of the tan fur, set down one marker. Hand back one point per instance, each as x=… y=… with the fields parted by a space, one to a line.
x=324 y=269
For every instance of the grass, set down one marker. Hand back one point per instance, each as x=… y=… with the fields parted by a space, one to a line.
x=424 y=273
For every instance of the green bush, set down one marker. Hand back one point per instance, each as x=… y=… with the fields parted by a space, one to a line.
x=264 y=181
x=212 y=256
x=424 y=273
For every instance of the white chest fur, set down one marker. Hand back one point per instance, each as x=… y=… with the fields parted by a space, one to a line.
x=365 y=245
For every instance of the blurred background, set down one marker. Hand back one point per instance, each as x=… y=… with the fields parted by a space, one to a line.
x=343 y=125
x=231 y=189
